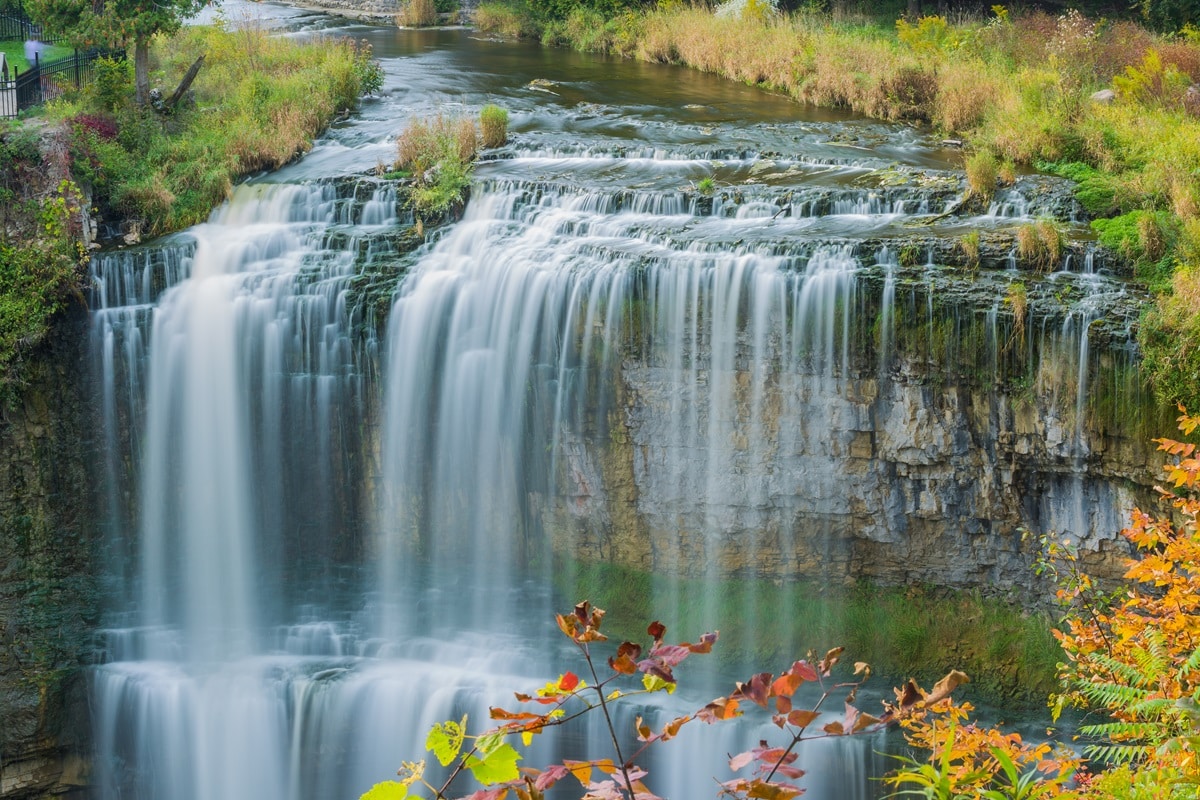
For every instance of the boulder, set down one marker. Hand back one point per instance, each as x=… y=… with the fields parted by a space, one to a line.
x=1104 y=96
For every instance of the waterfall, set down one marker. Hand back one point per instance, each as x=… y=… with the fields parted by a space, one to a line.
x=320 y=542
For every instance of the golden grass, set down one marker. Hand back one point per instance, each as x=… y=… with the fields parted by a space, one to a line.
x=417 y=14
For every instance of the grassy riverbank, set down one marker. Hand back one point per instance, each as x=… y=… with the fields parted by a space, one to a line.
x=257 y=103
x=1016 y=89
x=907 y=631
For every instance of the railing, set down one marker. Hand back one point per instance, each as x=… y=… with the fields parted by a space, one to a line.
x=15 y=25
x=45 y=81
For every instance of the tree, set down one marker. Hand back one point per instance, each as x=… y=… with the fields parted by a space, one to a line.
x=116 y=23
x=1132 y=655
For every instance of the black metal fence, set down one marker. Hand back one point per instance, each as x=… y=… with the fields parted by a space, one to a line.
x=16 y=26
x=45 y=81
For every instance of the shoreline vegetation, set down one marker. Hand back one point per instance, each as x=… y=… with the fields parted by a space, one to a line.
x=1019 y=90
x=257 y=103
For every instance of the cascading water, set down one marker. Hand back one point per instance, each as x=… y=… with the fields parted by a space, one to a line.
x=594 y=364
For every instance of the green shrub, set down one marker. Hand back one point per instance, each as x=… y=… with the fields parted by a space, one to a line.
x=439 y=153
x=112 y=83
x=493 y=125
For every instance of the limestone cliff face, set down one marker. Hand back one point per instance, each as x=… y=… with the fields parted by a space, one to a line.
x=48 y=598
x=894 y=479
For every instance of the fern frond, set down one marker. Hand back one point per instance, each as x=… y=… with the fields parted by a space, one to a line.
x=1126 y=731
x=1116 y=753
x=1154 y=659
x=1112 y=695
x=1120 y=670
x=1192 y=663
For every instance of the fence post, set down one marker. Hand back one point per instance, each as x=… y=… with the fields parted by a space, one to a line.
x=78 y=70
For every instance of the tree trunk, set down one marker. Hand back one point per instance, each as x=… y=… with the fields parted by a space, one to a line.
x=141 y=70
x=186 y=82
x=914 y=9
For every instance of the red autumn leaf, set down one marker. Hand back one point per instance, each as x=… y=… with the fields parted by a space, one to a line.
x=705 y=645
x=495 y=793
x=657 y=631
x=670 y=654
x=552 y=775
x=654 y=667
x=500 y=713
x=568 y=681
x=783 y=705
x=830 y=659
x=805 y=671
x=720 y=709
x=802 y=718
x=741 y=760
x=790 y=772
x=773 y=755
x=785 y=685
x=626 y=659
x=834 y=729
x=756 y=690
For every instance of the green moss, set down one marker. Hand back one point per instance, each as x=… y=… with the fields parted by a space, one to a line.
x=902 y=632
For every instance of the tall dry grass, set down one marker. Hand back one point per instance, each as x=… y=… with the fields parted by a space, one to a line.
x=417 y=14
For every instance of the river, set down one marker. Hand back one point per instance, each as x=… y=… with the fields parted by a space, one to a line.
x=325 y=534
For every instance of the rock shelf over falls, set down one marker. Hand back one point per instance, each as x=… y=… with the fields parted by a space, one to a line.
x=335 y=452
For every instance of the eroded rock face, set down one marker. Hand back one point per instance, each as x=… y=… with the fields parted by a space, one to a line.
x=48 y=598
x=889 y=479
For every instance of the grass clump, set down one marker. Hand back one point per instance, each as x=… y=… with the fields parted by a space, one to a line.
x=969 y=245
x=439 y=153
x=983 y=170
x=1017 y=300
x=257 y=103
x=493 y=126
x=1040 y=244
x=417 y=14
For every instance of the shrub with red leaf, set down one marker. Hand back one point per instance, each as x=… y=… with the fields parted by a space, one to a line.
x=103 y=127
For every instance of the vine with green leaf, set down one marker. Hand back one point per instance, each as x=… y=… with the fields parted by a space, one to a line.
x=634 y=671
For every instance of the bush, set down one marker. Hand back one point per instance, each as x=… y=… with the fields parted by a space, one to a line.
x=493 y=124
x=982 y=172
x=1040 y=244
x=1151 y=82
x=417 y=14
x=112 y=83
x=439 y=153
x=912 y=91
